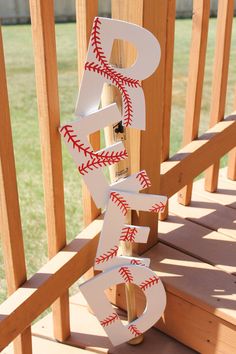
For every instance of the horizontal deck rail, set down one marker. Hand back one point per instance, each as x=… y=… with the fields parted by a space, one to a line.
x=45 y=286
x=199 y=154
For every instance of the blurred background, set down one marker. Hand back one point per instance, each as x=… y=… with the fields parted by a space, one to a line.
x=17 y=11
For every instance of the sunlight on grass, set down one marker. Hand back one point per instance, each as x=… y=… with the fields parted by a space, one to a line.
x=21 y=85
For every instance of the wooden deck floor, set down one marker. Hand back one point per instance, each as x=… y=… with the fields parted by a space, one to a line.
x=196 y=260
x=87 y=331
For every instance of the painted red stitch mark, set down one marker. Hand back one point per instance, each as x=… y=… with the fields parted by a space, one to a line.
x=156 y=208
x=149 y=282
x=137 y=262
x=128 y=234
x=110 y=73
x=109 y=320
x=134 y=330
x=126 y=274
x=143 y=179
x=101 y=162
x=127 y=103
x=107 y=256
x=100 y=56
x=120 y=202
x=69 y=132
x=97 y=159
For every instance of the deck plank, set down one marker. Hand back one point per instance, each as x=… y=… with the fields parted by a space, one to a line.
x=197 y=282
x=41 y=345
x=205 y=295
x=86 y=328
x=209 y=246
x=200 y=298
x=194 y=260
x=225 y=194
x=223 y=174
x=207 y=213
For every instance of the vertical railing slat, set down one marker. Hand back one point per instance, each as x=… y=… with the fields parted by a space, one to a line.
x=170 y=33
x=220 y=78
x=10 y=220
x=169 y=60
x=86 y=10
x=200 y=21
x=43 y=30
x=153 y=17
x=231 y=173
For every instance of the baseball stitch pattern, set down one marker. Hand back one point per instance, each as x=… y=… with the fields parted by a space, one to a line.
x=96 y=159
x=109 y=320
x=126 y=274
x=119 y=200
x=105 y=257
x=143 y=179
x=110 y=73
x=137 y=262
x=134 y=330
x=156 y=208
x=149 y=282
x=128 y=234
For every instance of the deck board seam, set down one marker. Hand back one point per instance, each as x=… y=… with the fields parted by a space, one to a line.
x=166 y=243
x=199 y=224
x=196 y=221
x=202 y=194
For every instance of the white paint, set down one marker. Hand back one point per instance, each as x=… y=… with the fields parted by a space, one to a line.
x=99 y=71
x=123 y=195
x=93 y=291
x=118 y=205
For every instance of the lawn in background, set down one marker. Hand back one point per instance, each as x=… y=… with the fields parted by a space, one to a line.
x=21 y=85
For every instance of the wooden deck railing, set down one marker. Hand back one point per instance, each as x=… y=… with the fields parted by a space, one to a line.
x=67 y=263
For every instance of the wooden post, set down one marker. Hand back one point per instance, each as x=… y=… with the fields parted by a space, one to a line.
x=154 y=19
x=220 y=78
x=142 y=145
x=169 y=48
x=86 y=10
x=10 y=221
x=232 y=156
x=232 y=165
x=121 y=170
x=43 y=30
x=124 y=55
x=201 y=12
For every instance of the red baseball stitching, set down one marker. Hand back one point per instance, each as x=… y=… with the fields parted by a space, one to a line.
x=87 y=151
x=137 y=262
x=101 y=162
x=143 y=179
x=156 y=208
x=149 y=282
x=127 y=103
x=110 y=73
x=128 y=234
x=98 y=159
x=134 y=330
x=109 y=320
x=126 y=274
x=70 y=133
x=100 y=56
x=120 y=202
x=107 y=256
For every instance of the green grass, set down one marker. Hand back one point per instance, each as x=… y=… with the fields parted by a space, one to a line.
x=21 y=84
